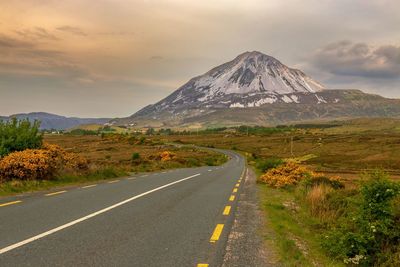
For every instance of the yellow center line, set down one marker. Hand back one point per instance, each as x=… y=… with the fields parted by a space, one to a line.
x=217 y=233
x=55 y=193
x=202 y=265
x=115 y=181
x=237 y=185
x=235 y=190
x=227 y=210
x=232 y=198
x=10 y=203
x=88 y=186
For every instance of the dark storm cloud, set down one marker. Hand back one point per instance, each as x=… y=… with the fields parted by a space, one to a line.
x=346 y=58
x=72 y=30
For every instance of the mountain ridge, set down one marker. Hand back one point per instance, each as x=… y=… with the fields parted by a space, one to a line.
x=253 y=80
x=52 y=121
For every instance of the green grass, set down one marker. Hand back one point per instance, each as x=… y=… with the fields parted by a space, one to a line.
x=296 y=233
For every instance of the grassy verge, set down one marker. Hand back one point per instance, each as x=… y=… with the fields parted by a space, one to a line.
x=17 y=187
x=296 y=233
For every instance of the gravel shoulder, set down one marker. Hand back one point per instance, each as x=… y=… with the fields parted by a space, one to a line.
x=246 y=245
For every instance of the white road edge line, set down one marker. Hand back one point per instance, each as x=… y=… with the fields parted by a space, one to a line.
x=52 y=231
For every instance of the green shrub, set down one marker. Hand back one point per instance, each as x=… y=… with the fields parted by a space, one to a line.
x=269 y=163
x=136 y=159
x=370 y=235
x=18 y=135
x=135 y=156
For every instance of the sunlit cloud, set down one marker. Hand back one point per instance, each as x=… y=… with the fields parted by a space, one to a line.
x=136 y=52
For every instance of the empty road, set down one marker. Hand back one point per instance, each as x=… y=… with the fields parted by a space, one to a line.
x=173 y=218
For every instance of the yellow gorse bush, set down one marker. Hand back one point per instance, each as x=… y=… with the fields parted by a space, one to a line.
x=44 y=163
x=167 y=155
x=289 y=173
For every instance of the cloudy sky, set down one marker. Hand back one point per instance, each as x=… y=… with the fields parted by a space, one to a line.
x=109 y=58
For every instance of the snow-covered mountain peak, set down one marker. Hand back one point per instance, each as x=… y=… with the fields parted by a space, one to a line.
x=253 y=72
x=258 y=57
x=251 y=79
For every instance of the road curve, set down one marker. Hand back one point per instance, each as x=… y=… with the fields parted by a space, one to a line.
x=173 y=218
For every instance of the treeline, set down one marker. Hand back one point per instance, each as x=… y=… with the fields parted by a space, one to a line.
x=242 y=130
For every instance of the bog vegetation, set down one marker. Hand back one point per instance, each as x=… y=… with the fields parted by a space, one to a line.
x=29 y=160
x=354 y=225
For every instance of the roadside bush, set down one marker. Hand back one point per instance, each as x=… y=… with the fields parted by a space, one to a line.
x=17 y=135
x=370 y=236
x=39 y=164
x=291 y=173
x=286 y=174
x=269 y=163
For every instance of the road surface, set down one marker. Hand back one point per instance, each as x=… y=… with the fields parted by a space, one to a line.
x=174 y=218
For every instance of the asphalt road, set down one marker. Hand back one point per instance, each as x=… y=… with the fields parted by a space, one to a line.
x=174 y=218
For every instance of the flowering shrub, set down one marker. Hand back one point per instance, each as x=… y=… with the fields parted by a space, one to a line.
x=45 y=163
x=291 y=173
x=167 y=156
x=286 y=174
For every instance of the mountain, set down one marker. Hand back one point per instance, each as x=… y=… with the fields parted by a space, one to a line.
x=258 y=89
x=52 y=121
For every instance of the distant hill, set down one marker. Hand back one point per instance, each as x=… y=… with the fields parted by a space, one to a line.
x=257 y=89
x=52 y=121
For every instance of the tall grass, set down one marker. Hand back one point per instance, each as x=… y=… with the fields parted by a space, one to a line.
x=318 y=202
